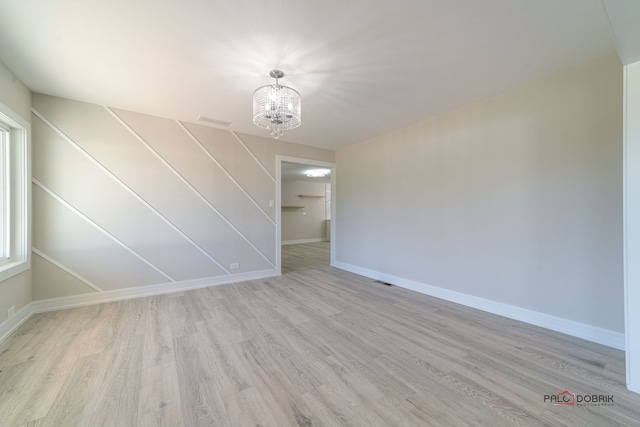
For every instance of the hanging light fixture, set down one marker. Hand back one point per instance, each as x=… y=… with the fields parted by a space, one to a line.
x=275 y=107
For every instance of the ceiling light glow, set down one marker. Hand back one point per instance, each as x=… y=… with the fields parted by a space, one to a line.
x=317 y=173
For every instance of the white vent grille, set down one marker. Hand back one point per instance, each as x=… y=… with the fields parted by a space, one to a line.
x=214 y=121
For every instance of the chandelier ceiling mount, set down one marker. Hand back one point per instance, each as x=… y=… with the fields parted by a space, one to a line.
x=276 y=107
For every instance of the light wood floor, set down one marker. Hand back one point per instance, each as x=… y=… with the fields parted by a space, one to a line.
x=319 y=347
x=305 y=256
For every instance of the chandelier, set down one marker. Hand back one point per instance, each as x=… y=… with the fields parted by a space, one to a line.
x=275 y=107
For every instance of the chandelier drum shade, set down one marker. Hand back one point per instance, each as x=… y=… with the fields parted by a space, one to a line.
x=276 y=107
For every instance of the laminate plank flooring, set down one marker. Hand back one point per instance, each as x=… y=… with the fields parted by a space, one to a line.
x=305 y=256
x=315 y=347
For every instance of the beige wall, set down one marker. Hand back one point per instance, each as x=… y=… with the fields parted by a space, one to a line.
x=309 y=222
x=515 y=199
x=124 y=199
x=14 y=94
x=15 y=291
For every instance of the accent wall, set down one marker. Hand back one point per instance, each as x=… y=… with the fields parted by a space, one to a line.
x=126 y=200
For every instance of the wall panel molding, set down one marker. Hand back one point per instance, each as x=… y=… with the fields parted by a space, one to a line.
x=237 y=162
x=190 y=186
x=273 y=178
x=127 y=188
x=99 y=228
x=222 y=168
x=66 y=270
x=116 y=188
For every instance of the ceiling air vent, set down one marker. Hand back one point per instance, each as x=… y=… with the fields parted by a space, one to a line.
x=213 y=121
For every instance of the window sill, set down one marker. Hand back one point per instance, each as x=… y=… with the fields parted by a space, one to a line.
x=14 y=268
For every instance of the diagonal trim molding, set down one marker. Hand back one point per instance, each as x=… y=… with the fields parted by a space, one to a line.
x=253 y=156
x=66 y=269
x=99 y=228
x=558 y=324
x=214 y=160
x=118 y=181
x=189 y=185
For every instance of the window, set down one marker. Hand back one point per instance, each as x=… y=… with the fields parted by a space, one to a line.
x=4 y=192
x=14 y=193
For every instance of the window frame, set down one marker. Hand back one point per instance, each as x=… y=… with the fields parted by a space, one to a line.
x=4 y=191
x=15 y=195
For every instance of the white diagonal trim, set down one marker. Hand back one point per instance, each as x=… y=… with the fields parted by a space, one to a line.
x=127 y=188
x=254 y=156
x=66 y=269
x=188 y=184
x=99 y=228
x=213 y=159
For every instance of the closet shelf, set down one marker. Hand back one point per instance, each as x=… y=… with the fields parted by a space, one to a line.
x=310 y=197
x=292 y=207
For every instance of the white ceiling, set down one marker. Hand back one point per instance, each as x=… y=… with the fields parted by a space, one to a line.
x=363 y=67
x=624 y=22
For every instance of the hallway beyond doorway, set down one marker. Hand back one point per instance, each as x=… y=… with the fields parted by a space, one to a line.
x=305 y=256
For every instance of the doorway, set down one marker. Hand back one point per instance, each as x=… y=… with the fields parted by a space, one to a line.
x=305 y=214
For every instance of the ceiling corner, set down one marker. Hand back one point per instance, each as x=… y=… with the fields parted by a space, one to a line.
x=623 y=19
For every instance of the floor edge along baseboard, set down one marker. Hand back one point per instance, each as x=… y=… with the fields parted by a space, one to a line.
x=570 y=327
x=41 y=306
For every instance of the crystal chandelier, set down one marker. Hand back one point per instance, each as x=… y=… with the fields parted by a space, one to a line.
x=275 y=107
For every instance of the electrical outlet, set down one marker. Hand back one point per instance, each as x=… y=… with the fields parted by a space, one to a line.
x=11 y=312
x=272 y=203
x=234 y=265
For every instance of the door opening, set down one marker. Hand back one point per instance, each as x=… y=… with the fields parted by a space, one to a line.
x=305 y=214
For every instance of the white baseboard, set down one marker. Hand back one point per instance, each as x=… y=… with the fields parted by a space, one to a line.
x=569 y=327
x=558 y=324
x=296 y=242
x=41 y=306
x=10 y=325
x=634 y=388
